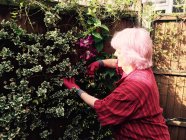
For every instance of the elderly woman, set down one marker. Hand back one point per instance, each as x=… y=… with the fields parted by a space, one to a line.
x=132 y=109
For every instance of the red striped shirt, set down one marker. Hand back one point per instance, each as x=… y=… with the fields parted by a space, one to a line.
x=133 y=109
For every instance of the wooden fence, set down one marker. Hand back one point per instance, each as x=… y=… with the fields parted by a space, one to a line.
x=36 y=18
x=38 y=25
x=170 y=71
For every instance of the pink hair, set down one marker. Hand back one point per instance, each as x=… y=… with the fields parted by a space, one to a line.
x=135 y=44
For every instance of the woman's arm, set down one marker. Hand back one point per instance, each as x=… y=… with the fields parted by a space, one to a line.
x=110 y=63
x=90 y=100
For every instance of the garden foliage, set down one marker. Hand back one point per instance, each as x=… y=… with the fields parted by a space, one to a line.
x=34 y=104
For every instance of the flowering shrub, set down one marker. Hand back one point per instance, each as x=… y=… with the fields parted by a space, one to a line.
x=32 y=95
x=34 y=104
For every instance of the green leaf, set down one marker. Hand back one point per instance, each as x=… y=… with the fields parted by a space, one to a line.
x=97 y=22
x=97 y=40
x=110 y=73
x=97 y=36
x=105 y=28
x=90 y=22
x=99 y=46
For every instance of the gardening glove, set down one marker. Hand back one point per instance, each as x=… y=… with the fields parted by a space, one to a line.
x=94 y=66
x=119 y=70
x=70 y=83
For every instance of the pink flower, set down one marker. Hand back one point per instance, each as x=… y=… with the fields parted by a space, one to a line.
x=87 y=50
x=88 y=55
x=86 y=42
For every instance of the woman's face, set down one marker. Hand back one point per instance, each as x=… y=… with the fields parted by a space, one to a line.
x=121 y=61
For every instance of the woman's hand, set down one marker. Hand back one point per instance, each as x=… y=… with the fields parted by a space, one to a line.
x=94 y=66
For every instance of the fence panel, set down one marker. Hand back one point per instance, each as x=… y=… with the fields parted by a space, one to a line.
x=170 y=71
x=32 y=24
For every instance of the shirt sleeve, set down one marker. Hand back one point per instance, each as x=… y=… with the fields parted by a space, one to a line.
x=118 y=107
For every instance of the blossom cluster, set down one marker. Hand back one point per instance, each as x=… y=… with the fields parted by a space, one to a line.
x=87 y=46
